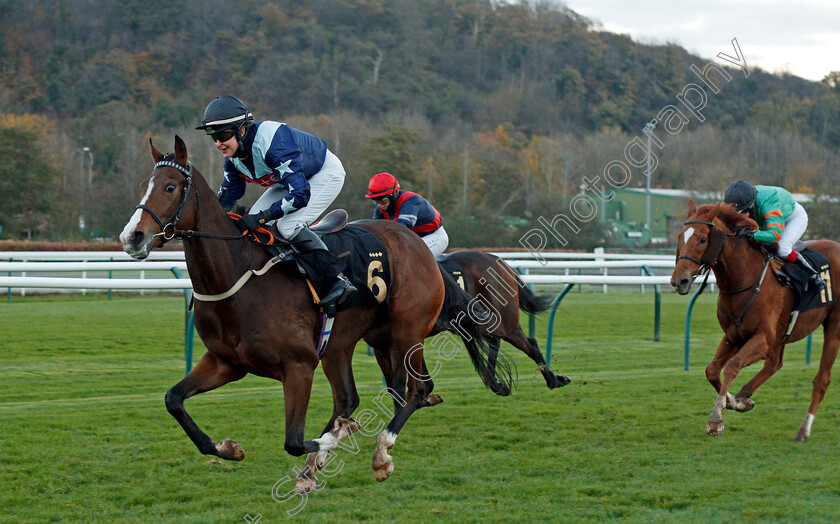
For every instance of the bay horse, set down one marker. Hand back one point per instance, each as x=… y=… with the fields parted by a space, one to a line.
x=269 y=326
x=491 y=280
x=503 y=292
x=753 y=311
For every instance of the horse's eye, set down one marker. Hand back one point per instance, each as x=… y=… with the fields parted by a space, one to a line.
x=702 y=241
x=170 y=188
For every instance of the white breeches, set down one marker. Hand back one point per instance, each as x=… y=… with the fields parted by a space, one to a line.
x=324 y=187
x=795 y=227
x=437 y=241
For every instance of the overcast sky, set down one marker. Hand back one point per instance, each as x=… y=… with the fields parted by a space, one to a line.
x=800 y=37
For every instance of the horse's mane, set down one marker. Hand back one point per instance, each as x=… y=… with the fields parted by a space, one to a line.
x=726 y=213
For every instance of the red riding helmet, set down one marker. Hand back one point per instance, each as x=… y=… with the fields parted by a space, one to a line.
x=382 y=184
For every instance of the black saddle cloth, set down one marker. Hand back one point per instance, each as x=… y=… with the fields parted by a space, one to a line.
x=808 y=296
x=454 y=270
x=365 y=264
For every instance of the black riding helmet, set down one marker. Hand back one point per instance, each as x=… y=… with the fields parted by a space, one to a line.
x=742 y=194
x=225 y=113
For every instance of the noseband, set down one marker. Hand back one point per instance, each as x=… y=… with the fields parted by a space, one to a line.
x=717 y=241
x=177 y=215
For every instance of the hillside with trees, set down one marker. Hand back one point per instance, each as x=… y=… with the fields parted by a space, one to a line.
x=495 y=111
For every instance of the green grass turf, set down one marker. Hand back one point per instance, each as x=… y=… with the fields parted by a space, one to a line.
x=85 y=435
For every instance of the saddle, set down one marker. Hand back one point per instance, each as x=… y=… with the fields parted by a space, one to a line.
x=333 y=222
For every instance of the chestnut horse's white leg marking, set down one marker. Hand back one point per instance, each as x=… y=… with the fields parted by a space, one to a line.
x=738 y=404
x=805 y=430
x=687 y=234
x=135 y=218
x=715 y=425
x=730 y=401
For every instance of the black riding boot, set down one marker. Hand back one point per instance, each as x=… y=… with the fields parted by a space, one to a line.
x=815 y=277
x=323 y=268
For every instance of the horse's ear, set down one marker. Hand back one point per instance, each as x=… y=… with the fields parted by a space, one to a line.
x=715 y=211
x=157 y=156
x=180 y=151
x=692 y=209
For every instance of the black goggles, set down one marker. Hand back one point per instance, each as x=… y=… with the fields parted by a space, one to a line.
x=223 y=136
x=384 y=199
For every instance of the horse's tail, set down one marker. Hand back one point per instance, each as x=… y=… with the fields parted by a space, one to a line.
x=465 y=317
x=529 y=301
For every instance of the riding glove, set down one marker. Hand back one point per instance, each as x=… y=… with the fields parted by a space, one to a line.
x=742 y=232
x=254 y=221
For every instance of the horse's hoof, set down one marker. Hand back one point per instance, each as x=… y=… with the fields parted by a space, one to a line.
x=713 y=429
x=383 y=471
x=305 y=485
x=434 y=399
x=500 y=389
x=801 y=436
x=229 y=450
x=561 y=380
x=742 y=405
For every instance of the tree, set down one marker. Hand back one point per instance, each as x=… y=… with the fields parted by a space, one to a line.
x=29 y=178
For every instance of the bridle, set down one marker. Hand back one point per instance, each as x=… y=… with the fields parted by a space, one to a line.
x=165 y=231
x=710 y=257
x=176 y=216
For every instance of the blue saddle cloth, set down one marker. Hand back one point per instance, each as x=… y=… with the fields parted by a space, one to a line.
x=365 y=264
x=454 y=270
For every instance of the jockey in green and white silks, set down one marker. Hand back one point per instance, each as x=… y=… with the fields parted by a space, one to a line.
x=779 y=217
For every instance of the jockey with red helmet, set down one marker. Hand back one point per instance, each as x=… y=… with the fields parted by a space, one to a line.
x=408 y=209
x=780 y=219
x=303 y=178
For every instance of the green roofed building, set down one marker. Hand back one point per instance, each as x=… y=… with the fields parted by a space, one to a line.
x=624 y=215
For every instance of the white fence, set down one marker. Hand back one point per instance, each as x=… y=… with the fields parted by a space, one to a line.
x=25 y=263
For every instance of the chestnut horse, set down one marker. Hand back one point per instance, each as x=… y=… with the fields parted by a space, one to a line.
x=269 y=326
x=754 y=309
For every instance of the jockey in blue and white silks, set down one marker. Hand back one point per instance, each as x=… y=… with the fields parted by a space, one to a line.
x=302 y=176
x=285 y=160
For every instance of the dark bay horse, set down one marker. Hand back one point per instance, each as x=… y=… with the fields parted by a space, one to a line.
x=269 y=326
x=754 y=308
x=504 y=294
x=499 y=290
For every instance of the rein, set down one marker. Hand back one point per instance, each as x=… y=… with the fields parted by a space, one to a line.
x=164 y=226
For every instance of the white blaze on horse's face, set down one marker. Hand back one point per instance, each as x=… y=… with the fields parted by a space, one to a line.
x=687 y=234
x=129 y=229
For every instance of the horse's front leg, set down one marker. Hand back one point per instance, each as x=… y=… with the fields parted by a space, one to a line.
x=210 y=373
x=742 y=401
x=297 y=388
x=723 y=353
x=754 y=350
